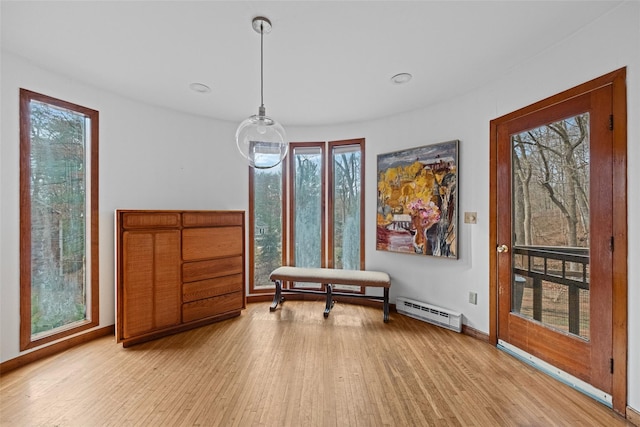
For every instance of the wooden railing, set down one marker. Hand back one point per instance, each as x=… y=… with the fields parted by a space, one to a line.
x=562 y=265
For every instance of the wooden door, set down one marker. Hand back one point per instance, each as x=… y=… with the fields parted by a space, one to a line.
x=554 y=178
x=150 y=281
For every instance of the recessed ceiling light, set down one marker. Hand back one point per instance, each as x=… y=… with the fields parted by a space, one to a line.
x=401 y=78
x=199 y=87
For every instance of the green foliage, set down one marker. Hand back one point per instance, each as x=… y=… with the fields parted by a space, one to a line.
x=347 y=191
x=308 y=213
x=58 y=197
x=55 y=308
x=268 y=217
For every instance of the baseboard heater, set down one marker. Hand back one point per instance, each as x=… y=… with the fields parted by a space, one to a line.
x=430 y=313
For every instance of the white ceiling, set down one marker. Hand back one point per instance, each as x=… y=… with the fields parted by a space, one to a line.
x=326 y=62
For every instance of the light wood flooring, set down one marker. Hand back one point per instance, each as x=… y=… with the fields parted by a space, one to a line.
x=295 y=368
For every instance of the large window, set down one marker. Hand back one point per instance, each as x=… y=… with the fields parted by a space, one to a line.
x=322 y=223
x=345 y=214
x=346 y=219
x=266 y=229
x=306 y=187
x=58 y=219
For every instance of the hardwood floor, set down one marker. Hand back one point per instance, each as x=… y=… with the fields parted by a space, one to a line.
x=295 y=368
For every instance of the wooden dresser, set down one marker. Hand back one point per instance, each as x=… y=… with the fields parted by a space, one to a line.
x=177 y=270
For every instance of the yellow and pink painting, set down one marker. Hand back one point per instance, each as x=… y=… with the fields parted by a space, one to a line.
x=418 y=201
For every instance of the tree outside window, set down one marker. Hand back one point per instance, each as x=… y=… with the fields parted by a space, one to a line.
x=324 y=216
x=58 y=211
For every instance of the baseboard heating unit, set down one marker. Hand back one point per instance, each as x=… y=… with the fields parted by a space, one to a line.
x=430 y=313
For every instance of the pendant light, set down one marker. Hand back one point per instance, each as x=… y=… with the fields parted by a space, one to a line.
x=261 y=139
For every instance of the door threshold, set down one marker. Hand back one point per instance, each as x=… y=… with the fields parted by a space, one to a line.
x=558 y=374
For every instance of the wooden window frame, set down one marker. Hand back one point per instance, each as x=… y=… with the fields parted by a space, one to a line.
x=26 y=341
x=288 y=206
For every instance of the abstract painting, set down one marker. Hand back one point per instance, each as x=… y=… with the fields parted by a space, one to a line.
x=418 y=201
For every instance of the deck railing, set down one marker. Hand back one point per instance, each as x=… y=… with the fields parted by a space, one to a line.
x=560 y=265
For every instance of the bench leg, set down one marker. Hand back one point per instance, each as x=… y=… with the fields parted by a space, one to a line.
x=277 y=297
x=385 y=306
x=329 y=303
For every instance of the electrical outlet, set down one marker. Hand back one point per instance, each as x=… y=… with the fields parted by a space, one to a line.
x=470 y=217
x=473 y=298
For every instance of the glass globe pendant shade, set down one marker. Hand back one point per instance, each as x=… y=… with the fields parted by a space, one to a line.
x=262 y=141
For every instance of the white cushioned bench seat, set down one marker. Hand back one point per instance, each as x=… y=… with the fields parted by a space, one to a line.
x=329 y=277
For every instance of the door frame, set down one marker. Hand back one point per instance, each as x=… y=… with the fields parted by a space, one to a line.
x=617 y=80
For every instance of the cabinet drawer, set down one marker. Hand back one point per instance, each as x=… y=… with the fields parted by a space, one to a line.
x=210 y=288
x=212 y=218
x=211 y=306
x=150 y=220
x=214 y=242
x=209 y=269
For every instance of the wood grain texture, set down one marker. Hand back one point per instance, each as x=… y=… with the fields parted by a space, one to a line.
x=150 y=219
x=158 y=292
x=633 y=416
x=208 y=269
x=213 y=242
x=203 y=308
x=53 y=349
x=151 y=276
x=620 y=266
x=212 y=218
x=611 y=334
x=210 y=288
x=292 y=367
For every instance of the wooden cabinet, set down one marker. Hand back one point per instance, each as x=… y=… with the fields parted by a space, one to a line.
x=151 y=278
x=177 y=270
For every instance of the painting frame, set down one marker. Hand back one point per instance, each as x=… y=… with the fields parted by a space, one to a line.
x=417 y=200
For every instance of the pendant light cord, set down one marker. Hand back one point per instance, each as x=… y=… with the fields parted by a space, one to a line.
x=261 y=65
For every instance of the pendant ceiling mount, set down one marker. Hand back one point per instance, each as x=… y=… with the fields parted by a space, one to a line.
x=261 y=25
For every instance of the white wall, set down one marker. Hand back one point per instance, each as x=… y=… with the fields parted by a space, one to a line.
x=154 y=159
x=610 y=43
x=150 y=158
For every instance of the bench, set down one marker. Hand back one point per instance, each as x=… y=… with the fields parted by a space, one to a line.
x=329 y=277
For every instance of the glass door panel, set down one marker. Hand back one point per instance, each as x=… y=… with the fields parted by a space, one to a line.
x=550 y=257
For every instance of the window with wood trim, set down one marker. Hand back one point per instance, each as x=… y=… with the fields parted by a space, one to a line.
x=322 y=224
x=58 y=219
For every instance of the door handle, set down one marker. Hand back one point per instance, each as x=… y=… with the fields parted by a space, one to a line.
x=502 y=248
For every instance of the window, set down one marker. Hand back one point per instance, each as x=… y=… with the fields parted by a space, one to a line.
x=345 y=215
x=266 y=224
x=307 y=199
x=58 y=219
x=346 y=219
x=323 y=185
